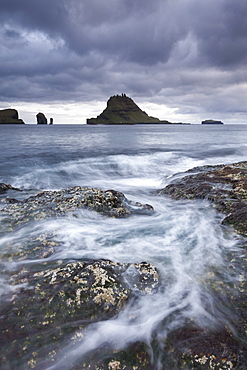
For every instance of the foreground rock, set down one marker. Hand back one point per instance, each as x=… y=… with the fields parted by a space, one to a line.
x=10 y=116
x=193 y=348
x=224 y=185
x=55 y=303
x=110 y=203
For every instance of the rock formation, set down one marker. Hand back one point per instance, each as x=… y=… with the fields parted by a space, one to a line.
x=122 y=110
x=224 y=185
x=211 y=122
x=58 y=296
x=110 y=203
x=58 y=300
x=41 y=119
x=10 y=116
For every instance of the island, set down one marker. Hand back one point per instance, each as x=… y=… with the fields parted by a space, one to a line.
x=122 y=110
x=41 y=119
x=211 y=122
x=10 y=116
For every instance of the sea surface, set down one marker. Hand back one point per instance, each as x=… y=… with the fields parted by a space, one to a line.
x=183 y=240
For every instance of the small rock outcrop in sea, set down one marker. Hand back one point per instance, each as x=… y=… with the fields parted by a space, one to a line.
x=224 y=185
x=60 y=300
x=10 y=116
x=41 y=119
x=5 y=187
x=56 y=203
x=211 y=122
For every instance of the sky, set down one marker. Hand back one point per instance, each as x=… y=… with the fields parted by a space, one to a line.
x=180 y=60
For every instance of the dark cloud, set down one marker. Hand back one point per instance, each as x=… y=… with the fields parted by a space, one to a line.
x=174 y=52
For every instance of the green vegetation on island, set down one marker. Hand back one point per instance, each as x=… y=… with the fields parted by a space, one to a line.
x=123 y=110
x=10 y=116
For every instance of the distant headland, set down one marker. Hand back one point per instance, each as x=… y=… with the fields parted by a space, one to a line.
x=122 y=110
x=10 y=116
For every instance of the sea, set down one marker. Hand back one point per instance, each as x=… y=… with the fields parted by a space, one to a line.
x=184 y=240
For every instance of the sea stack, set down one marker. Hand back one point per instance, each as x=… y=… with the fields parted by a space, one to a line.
x=10 y=116
x=41 y=119
x=122 y=110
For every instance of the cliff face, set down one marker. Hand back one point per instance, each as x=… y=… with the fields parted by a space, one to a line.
x=10 y=116
x=41 y=119
x=122 y=110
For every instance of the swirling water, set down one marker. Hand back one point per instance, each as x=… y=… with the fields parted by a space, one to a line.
x=184 y=240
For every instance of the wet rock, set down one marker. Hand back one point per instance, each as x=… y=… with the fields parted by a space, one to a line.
x=56 y=203
x=5 y=187
x=39 y=247
x=55 y=304
x=224 y=185
x=192 y=348
x=134 y=357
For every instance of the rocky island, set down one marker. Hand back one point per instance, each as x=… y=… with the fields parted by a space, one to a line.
x=10 y=116
x=123 y=110
x=41 y=119
x=211 y=122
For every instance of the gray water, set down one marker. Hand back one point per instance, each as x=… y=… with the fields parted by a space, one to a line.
x=184 y=240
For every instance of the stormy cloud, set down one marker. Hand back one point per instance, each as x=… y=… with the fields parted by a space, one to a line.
x=188 y=55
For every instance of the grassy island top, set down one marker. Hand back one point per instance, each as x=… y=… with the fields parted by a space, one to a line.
x=123 y=110
x=10 y=116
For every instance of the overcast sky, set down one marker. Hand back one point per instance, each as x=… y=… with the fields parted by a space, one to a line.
x=181 y=60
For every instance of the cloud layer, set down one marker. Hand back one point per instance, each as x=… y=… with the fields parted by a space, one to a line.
x=186 y=54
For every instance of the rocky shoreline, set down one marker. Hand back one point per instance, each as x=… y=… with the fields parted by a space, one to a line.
x=223 y=185
x=59 y=299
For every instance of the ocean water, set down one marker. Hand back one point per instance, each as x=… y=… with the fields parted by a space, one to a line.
x=183 y=240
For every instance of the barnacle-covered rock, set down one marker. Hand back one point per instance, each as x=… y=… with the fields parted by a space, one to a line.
x=38 y=247
x=224 y=185
x=193 y=348
x=55 y=203
x=52 y=304
x=133 y=357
